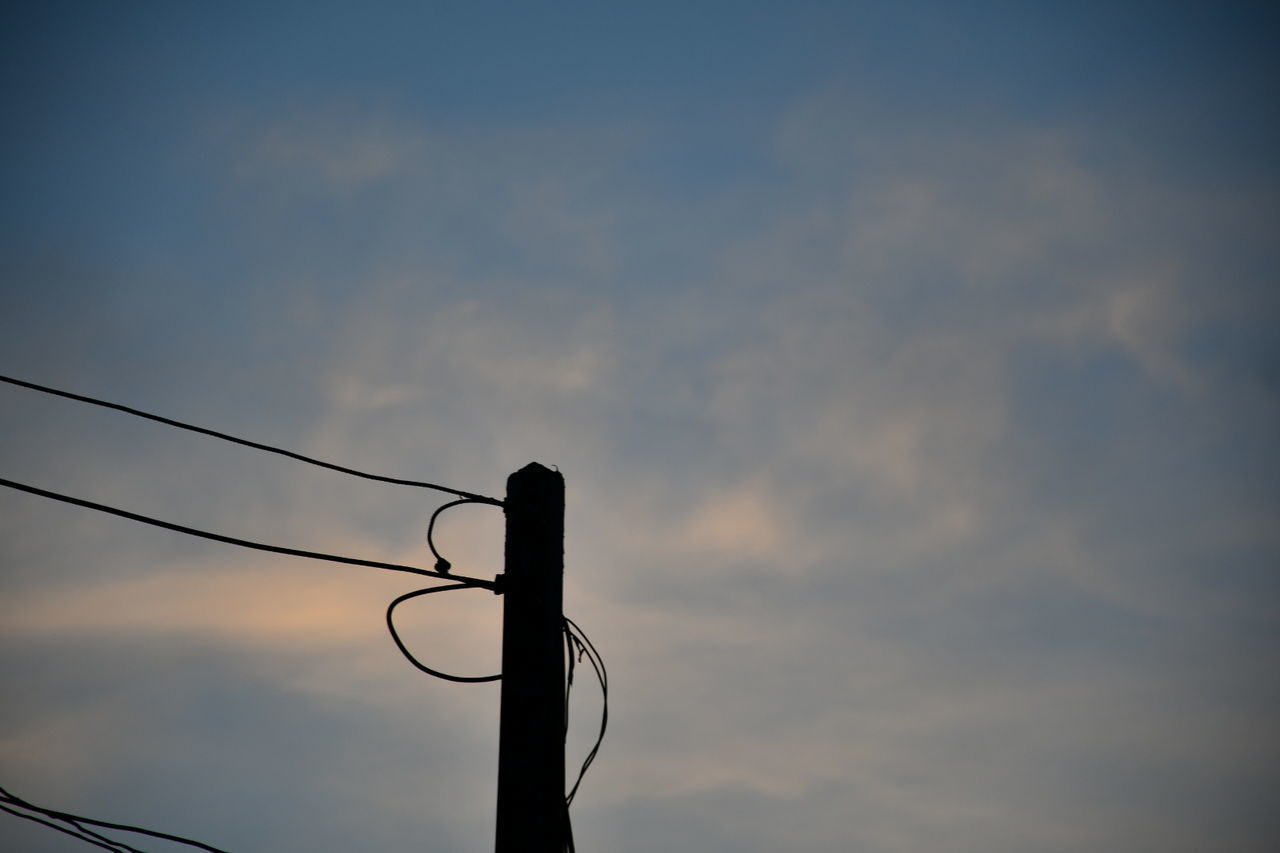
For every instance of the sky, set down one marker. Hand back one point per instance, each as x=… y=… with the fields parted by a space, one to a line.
x=911 y=366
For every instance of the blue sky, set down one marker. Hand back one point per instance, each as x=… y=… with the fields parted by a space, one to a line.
x=912 y=369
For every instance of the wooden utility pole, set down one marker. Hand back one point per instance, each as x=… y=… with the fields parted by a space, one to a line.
x=531 y=809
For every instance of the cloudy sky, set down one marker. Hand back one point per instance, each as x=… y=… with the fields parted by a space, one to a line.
x=911 y=367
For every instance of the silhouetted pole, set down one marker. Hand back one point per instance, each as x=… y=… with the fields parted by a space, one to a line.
x=531 y=810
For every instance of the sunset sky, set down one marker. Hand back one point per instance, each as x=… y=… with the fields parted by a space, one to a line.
x=912 y=368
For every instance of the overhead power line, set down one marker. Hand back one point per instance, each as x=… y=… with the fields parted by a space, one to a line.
x=244 y=543
x=75 y=825
x=88 y=836
x=22 y=383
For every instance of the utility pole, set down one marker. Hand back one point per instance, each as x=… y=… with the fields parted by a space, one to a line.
x=531 y=811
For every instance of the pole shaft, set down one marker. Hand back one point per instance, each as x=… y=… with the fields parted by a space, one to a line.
x=531 y=811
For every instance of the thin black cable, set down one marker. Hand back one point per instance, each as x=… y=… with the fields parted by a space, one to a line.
x=244 y=543
x=569 y=846
x=579 y=638
x=577 y=644
x=255 y=445
x=124 y=848
x=11 y=799
x=117 y=845
x=105 y=846
x=443 y=565
x=391 y=626
x=568 y=677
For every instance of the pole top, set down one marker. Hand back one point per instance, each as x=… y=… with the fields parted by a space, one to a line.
x=535 y=473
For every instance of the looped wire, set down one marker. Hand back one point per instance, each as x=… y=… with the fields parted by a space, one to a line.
x=442 y=565
x=395 y=635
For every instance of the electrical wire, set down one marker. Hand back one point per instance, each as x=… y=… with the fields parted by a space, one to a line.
x=85 y=838
x=116 y=844
x=244 y=543
x=22 y=383
x=569 y=846
x=8 y=801
x=391 y=626
x=579 y=640
x=443 y=565
x=577 y=646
